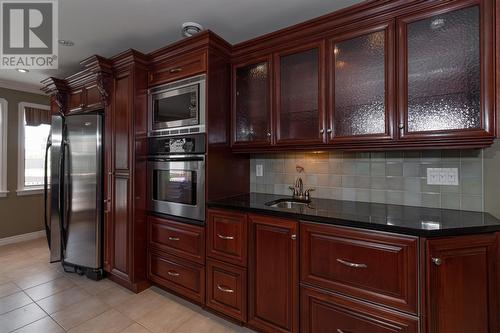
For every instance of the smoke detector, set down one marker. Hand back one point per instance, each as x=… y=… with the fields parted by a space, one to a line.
x=190 y=28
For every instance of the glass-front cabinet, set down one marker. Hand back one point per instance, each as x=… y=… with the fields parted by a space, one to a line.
x=299 y=106
x=361 y=64
x=252 y=103
x=445 y=72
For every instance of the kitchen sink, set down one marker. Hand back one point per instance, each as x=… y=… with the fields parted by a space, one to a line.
x=288 y=203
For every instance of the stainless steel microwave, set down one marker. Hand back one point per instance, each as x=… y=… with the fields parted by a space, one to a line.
x=178 y=107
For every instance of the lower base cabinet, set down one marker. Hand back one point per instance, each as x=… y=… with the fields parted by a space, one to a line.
x=323 y=312
x=273 y=274
x=227 y=289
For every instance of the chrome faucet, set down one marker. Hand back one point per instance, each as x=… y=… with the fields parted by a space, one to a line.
x=298 y=192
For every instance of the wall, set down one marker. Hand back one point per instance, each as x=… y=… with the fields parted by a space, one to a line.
x=18 y=214
x=383 y=177
x=492 y=179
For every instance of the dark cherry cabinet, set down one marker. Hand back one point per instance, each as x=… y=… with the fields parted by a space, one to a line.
x=252 y=103
x=273 y=274
x=299 y=100
x=462 y=284
x=446 y=71
x=361 y=104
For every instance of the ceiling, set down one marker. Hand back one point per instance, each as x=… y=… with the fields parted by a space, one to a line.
x=107 y=27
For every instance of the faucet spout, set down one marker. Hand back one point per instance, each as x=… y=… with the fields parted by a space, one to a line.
x=299 y=185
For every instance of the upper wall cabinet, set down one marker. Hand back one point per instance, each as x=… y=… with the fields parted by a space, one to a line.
x=446 y=72
x=361 y=84
x=299 y=77
x=252 y=103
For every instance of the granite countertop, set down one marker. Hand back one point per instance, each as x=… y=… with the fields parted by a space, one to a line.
x=417 y=221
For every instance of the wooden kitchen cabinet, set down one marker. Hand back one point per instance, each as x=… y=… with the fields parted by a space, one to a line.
x=299 y=94
x=251 y=111
x=184 y=66
x=461 y=284
x=273 y=274
x=446 y=72
x=361 y=63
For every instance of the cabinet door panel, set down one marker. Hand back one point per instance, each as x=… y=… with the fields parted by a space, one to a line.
x=462 y=284
x=444 y=71
x=273 y=274
x=252 y=103
x=121 y=224
x=299 y=95
x=361 y=64
x=122 y=121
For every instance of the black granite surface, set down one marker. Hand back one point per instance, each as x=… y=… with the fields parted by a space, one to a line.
x=417 y=221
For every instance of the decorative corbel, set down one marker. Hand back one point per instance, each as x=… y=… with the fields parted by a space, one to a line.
x=103 y=81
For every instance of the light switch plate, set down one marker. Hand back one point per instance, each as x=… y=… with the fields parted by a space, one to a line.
x=259 y=170
x=442 y=176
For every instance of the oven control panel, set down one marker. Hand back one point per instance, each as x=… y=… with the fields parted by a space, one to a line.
x=189 y=144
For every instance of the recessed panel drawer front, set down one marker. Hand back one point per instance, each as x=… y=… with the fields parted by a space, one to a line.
x=373 y=266
x=330 y=313
x=183 y=240
x=183 y=277
x=226 y=289
x=178 y=68
x=227 y=237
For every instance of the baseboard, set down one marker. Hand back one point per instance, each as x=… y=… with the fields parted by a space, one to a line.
x=22 y=238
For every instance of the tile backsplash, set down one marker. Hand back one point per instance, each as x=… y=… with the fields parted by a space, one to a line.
x=385 y=177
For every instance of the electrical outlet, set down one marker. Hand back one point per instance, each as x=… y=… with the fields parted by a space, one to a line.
x=442 y=176
x=259 y=170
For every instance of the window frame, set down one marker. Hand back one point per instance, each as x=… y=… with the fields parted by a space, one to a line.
x=4 y=116
x=21 y=189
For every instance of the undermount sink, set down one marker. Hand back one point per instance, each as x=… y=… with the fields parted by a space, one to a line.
x=288 y=203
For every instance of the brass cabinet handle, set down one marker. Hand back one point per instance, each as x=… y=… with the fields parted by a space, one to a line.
x=173 y=238
x=437 y=261
x=176 y=70
x=351 y=264
x=225 y=237
x=173 y=273
x=225 y=289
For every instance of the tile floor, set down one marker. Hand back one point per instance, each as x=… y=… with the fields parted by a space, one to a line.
x=38 y=297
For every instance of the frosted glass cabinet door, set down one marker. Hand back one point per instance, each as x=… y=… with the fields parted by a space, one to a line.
x=251 y=108
x=299 y=100
x=361 y=80
x=446 y=89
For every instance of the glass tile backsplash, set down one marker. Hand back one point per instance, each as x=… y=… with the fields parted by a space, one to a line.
x=385 y=177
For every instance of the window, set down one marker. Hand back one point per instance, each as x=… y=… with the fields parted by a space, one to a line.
x=34 y=129
x=3 y=147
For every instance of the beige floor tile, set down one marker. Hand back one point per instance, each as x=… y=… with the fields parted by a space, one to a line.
x=135 y=328
x=94 y=287
x=80 y=312
x=140 y=304
x=49 y=288
x=14 y=301
x=37 y=279
x=45 y=325
x=8 y=289
x=115 y=295
x=8 y=250
x=109 y=322
x=20 y=317
x=63 y=299
x=166 y=318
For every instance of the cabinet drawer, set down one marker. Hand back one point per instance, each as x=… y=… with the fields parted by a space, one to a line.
x=227 y=236
x=178 y=68
x=184 y=277
x=330 y=313
x=181 y=239
x=76 y=101
x=373 y=266
x=226 y=289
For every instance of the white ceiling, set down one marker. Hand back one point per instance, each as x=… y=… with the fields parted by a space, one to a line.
x=107 y=27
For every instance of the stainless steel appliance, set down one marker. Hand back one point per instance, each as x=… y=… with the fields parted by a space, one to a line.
x=176 y=176
x=178 y=107
x=73 y=193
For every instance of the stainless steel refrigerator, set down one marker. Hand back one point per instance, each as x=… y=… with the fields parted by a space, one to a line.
x=73 y=193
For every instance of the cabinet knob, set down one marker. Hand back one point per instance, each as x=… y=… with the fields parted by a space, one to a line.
x=294 y=237
x=437 y=261
x=322 y=131
x=329 y=130
x=401 y=126
x=269 y=134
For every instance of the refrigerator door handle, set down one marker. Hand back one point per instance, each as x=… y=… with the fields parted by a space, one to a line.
x=46 y=189
x=62 y=194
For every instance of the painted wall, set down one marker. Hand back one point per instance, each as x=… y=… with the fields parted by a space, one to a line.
x=492 y=179
x=385 y=177
x=18 y=214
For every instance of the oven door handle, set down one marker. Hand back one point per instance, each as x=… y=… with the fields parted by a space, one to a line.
x=177 y=159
